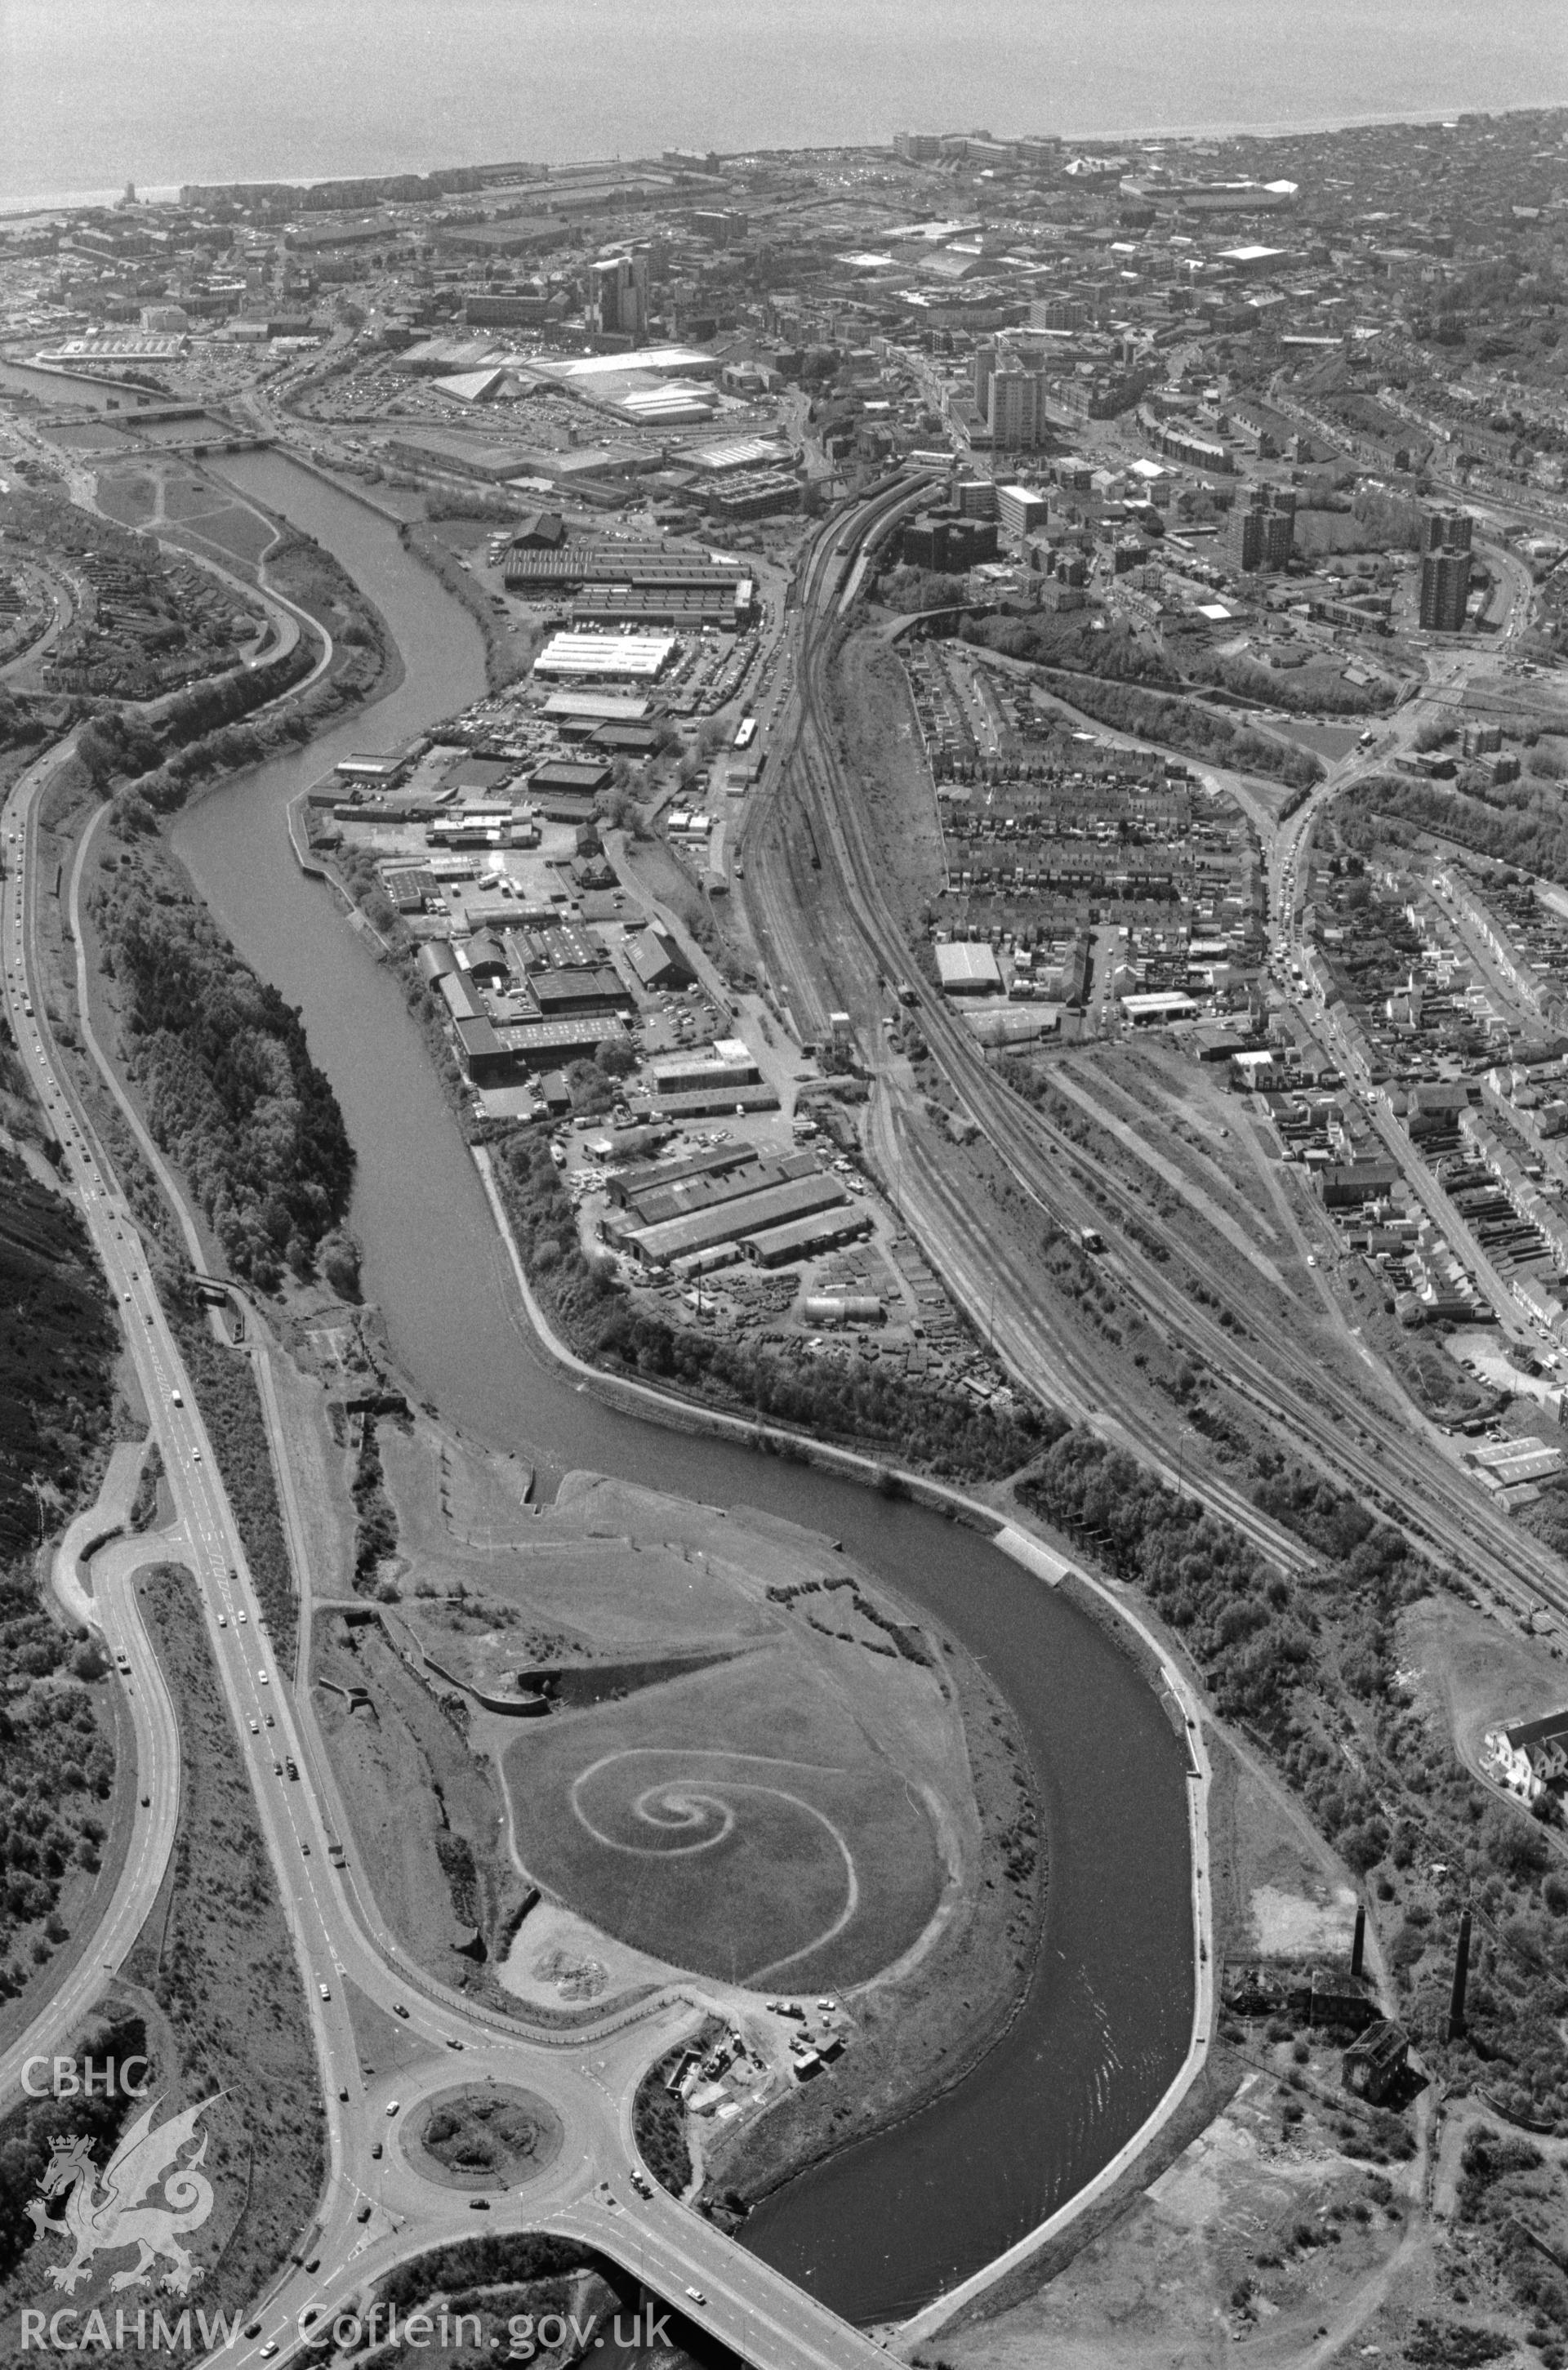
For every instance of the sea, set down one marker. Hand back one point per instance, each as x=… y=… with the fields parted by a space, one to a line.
x=97 y=93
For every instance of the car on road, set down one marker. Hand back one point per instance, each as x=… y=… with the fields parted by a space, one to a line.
x=261 y=1679
x=342 y=2093
x=177 y=1398
x=323 y=1990
x=697 y=2295
x=398 y=2010
x=305 y=1851
x=255 y=1728
x=479 y=2205
x=453 y=2045
x=293 y=1767
x=147 y=1802
x=244 y=1617
x=363 y=2214
x=223 y=1620
x=269 y=1720
x=378 y=2150
x=393 y=2106
x=268 y=2350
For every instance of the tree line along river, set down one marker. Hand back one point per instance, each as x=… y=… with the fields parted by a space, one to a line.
x=894 y=2219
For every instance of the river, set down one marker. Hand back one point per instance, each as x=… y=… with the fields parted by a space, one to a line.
x=882 y=2229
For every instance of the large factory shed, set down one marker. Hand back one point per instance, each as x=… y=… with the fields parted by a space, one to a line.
x=968 y=967
x=717 y=1103
x=732 y=1221
x=609 y=657
x=823 y=1230
x=716 y=1160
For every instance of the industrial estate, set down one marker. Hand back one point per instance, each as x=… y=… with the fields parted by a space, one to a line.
x=784 y=1103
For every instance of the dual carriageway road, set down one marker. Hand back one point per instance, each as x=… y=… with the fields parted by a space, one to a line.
x=377 y=2210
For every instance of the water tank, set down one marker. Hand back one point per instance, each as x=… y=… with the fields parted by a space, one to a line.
x=843 y=1308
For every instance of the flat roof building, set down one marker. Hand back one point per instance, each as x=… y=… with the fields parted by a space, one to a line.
x=730 y=1064
x=1148 y=1011
x=546 y=1044
x=628 y=658
x=968 y=967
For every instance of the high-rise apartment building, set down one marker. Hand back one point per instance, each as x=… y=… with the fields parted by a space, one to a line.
x=1448 y=530
x=1016 y=408
x=1262 y=529
x=1445 y=589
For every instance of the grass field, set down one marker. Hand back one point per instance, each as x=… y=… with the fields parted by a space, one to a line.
x=126 y=495
x=738 y=1821
x=231 y=530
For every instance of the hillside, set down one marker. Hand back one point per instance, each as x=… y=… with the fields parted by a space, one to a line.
x=57 y=1348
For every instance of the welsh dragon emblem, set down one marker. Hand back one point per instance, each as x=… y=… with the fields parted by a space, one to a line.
x=101 y=2217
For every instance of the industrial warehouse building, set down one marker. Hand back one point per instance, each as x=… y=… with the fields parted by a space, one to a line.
x=626 y=658
x=681 y=1196
x=715 y=1102
x=729 y=1064
x=636 y=583
x=824 y=1230
x=716 y=1160
x=734 y=1220
x=968 y=967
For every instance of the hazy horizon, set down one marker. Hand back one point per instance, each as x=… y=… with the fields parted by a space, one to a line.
x=94 y=93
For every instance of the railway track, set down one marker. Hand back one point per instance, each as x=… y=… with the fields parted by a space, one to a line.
x=1356 y=1446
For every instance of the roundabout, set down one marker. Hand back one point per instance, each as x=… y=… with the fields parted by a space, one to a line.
x=490 y=2136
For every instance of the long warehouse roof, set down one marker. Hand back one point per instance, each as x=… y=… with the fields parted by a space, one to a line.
x=582 y=563
x=750 y=1215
